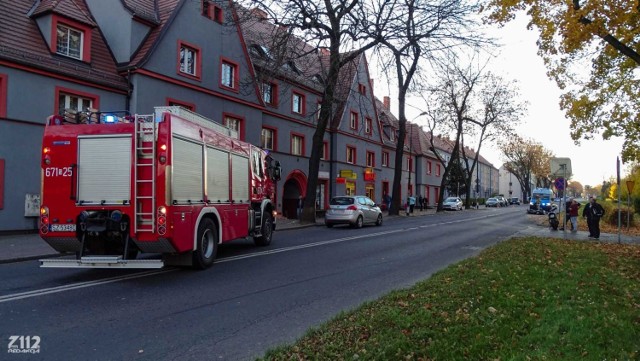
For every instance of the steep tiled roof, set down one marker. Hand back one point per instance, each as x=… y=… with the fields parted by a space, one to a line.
x=21 y=42
x=72 y=9
x=145 y=9
x=275 y=50
x=163 y=12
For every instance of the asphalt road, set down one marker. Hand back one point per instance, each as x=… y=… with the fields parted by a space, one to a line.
x=251 y=300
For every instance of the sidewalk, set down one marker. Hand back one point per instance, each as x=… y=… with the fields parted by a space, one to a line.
x=21 y=247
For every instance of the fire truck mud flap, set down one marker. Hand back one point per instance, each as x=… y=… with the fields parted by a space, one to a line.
x=101 y=262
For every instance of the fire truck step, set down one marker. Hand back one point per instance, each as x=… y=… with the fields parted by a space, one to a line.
x=101 y=262
x=144 y=180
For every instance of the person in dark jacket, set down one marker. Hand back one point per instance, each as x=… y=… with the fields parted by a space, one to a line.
x=593 y=212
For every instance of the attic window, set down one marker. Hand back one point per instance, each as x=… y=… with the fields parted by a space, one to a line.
x=212 y=11
x=392 y=135
x=261 y=51
x=71 y=39
x=291 y=65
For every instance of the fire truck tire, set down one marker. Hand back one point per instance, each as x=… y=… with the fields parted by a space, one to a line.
x=207 y=244
x=266 y=230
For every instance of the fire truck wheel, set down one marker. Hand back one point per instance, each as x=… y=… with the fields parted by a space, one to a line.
x=266 y=230
x=207 y=244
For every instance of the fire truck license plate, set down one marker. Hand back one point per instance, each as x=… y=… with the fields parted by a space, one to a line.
x=63 y=228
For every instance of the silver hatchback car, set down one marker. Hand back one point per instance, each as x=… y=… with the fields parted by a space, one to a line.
x=353 y=210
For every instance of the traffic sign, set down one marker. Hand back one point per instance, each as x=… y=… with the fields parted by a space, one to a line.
x=559 y=183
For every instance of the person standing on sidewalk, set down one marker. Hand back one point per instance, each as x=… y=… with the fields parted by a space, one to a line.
x=593 y=211
x=573 y=214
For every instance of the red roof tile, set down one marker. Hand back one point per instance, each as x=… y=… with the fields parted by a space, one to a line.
x=72 y=9
x=165 y=8
x=21 y=42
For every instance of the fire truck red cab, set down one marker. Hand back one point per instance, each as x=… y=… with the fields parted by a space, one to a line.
x=173 y=183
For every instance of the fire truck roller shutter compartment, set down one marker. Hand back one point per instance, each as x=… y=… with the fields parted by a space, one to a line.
x=240 y=171
x=104 y=169
x=217 y=175
x=187 y=171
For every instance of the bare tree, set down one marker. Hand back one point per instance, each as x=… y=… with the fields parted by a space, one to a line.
x=422 y=32
x=500 y=111
x=346 y=28
x=449 y=107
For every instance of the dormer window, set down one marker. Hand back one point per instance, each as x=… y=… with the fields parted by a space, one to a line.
x=261 y=51
x=291 y=65
x=71 y=39
x=392 y=135
x=69 y=42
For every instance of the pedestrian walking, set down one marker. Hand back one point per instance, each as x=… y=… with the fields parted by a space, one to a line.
x=412 y=203
x=420 y=202
x=300 y=206
x=386 y=198
x=567 y=216
x=593 y=212
x=573 y=214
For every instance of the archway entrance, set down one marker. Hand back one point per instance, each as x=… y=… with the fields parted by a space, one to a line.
x=294 y=187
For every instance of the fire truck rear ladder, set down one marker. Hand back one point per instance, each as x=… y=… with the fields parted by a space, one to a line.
x=145 y=139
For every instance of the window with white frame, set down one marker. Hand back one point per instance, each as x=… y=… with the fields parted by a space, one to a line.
x=368 y=125
x=69 y=41
x=73 y=102
x=297 y=144
x=325 y=151
x=351 y=155
x=371 y=159
x=229 y=74
x=269 y=93
x=385 y=159
x=233 y=123
x=188 y=59
x=353 y=120
x=297 y=103
x=267 y=138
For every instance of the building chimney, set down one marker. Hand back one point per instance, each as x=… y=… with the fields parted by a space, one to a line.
x=387 y=102
x=371 y=83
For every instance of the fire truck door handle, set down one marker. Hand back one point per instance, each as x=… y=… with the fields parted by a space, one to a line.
x=74 y=179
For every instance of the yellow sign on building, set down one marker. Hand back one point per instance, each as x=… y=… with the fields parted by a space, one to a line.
x=348 y=173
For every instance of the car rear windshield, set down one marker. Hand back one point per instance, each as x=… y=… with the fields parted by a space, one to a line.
x=450 y=200
x=492 y=200
x=341 y=201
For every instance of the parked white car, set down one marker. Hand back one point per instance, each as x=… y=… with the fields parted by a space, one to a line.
x=453 y=203
x=352 y=210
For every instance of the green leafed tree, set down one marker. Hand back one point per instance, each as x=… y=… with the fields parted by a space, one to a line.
x=591 y=49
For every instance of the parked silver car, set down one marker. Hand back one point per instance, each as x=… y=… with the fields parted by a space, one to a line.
x=352 y=210
x=492 y=202
x=453 y=203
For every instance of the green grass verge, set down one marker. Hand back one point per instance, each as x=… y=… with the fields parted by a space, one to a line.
x=524 y=299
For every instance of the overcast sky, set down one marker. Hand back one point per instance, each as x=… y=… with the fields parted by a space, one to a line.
x=592 y=161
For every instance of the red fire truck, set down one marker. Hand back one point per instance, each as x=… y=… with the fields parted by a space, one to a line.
x=172 y=183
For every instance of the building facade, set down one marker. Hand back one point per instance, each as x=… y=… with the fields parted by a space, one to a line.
x=67 y=56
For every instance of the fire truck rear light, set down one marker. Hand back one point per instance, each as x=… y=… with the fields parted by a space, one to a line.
x=162 y=221
x=44 y=229
x=44 y=211
x=44 y=220
x=47 y=160
x=163 y=147
x=163 y=159
x=46 y=150
x=162 y=230
x=162 y=210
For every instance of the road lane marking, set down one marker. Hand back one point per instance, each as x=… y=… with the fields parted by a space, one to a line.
x=74 y=286
x=79 y=285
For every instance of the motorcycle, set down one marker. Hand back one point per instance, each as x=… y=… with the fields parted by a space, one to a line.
x=553 y=218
